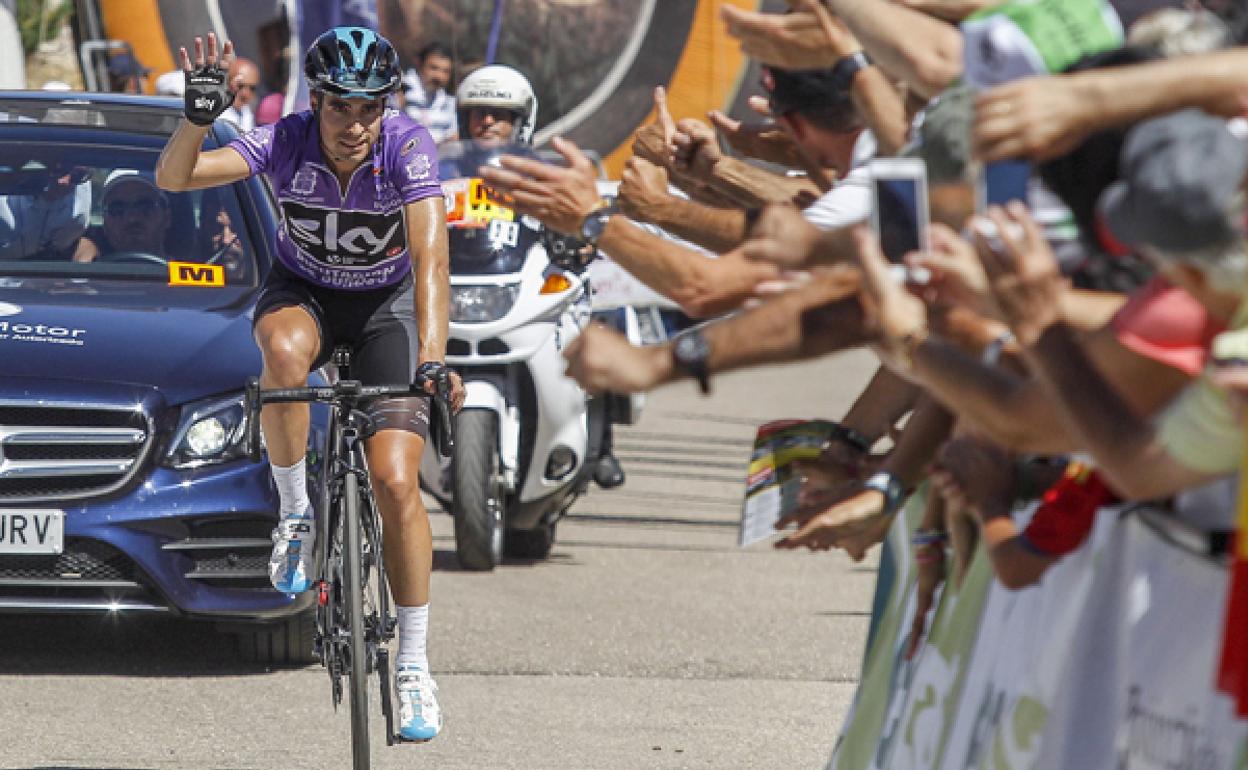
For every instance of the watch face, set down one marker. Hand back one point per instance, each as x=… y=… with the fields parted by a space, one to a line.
x=691 y=349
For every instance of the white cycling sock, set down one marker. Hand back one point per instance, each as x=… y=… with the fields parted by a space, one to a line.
x=292 y=488
x=413 y=626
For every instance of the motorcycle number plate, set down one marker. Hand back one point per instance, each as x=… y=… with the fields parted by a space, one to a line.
x=473 y=203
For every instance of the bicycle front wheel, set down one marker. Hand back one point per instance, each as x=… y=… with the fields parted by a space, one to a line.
x=353 y=596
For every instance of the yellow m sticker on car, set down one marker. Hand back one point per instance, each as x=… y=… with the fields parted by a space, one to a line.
x=195 y=274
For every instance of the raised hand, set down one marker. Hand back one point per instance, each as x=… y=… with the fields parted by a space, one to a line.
x=602 y=359
x=957 y=277
x=207 y=92
x=900 y=318
x=1038 y=118
x=561 y=197
x=655 y=142
x=854 y=524
x=807 y=38
x=696 y=149
x=765 y=141
x=1026 y=283
x=643 y=188
x=781 y=236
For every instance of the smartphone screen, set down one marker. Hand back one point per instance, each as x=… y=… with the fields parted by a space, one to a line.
x=1004 y=181
x=898 y=216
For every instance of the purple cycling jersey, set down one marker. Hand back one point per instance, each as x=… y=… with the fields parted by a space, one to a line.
x=353 y=240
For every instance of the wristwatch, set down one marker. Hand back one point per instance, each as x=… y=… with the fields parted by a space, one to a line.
x=595 y=223
x=846 y=68
x=888 y=485
x=690 y=352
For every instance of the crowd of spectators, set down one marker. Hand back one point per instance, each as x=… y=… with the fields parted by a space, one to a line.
x=1084 y=346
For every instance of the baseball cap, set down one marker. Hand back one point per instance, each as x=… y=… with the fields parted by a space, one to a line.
x=124 y=65
x=943 y=138
x=129 y=175
x=171 y=83
x=1180 y=176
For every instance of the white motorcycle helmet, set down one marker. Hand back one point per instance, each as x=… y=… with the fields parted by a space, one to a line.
x=496 y=85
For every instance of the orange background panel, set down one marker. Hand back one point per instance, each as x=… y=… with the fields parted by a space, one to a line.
x=138 y=23
x=707 y=76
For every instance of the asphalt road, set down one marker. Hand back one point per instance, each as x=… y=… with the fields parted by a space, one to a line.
x=648 y=640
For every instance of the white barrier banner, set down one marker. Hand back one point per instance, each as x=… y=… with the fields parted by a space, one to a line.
x=1107 y=663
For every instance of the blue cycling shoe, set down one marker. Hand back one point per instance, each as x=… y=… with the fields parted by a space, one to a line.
x=420 y=717
x=290 y=565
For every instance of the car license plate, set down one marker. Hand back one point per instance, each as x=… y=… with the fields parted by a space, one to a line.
x=32 y=531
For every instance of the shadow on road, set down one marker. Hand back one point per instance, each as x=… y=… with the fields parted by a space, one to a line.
x=127 y=645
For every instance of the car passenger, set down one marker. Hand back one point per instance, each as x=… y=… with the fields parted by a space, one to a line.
x=51 y=222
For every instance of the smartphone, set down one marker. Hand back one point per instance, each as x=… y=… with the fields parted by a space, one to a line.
x=1002 y=182
x=901 y=215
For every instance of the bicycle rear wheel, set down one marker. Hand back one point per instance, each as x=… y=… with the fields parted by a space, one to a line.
x=353 y=597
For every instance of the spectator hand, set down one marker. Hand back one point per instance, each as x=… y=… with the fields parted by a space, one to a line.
x=975 y=475
x=765 y=141
x=602 y=359
x=1038 y=118
x=654 y=142
x=781 y=236
x=1026 y=283
x=807 y=38
x=696 y=149
x=643 y=188
x=560 y=197
x=854 y=524
x=957 y=277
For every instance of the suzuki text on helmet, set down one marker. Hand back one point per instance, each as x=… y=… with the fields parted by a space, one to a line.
x=497 y=104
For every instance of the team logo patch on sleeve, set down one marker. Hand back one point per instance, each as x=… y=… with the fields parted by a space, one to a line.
x=420 y=167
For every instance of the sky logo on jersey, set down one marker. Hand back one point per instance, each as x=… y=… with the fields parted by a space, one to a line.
x=344 y=238
x=195 y=274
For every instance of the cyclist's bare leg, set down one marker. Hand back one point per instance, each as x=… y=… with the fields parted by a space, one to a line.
x=394 y=466
x=289 y=341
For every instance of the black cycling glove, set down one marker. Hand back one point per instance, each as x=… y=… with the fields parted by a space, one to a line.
x=436 y=372
x=207 y=94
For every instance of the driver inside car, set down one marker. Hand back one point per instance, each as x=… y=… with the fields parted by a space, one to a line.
x=136 y=217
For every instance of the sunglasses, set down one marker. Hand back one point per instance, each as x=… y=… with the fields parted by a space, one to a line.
x=143 y=206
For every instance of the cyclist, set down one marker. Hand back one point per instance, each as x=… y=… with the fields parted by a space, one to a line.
x=362 y=260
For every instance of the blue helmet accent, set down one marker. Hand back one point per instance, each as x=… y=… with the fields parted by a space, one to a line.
x=352 y=62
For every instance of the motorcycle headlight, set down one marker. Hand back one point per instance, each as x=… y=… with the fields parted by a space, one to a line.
x=482 y=303
x=209 y=432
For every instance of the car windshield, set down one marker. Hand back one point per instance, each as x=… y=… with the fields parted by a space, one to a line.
x=78 y=211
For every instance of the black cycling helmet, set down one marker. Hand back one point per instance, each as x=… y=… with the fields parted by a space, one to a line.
x=352 y=62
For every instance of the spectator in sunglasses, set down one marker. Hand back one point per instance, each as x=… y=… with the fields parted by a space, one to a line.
x=49 y=221
x=136 y=215
x=243 y=113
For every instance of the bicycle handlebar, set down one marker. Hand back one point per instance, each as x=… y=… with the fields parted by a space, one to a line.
x=351 y=391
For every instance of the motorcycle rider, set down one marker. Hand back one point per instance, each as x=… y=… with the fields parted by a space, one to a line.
x=362 y=260
x=497 y=105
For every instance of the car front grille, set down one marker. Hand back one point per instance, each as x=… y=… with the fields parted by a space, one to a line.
x=68 y=452
x=88 y=576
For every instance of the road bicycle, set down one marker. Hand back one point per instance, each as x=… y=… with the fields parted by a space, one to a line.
x=354 y=617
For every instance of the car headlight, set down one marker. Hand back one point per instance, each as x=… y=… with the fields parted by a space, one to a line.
x=209 y=432
x=482 y=303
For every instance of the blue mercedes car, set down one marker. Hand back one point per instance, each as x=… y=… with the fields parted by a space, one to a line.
x=125 y=342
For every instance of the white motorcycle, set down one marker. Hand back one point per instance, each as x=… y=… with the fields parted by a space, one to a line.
x=528 y=437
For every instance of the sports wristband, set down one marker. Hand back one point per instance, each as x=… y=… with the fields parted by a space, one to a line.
x=888 y=485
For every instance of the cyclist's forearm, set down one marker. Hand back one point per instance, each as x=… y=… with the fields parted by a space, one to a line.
x=428 y=243
x=176 y=166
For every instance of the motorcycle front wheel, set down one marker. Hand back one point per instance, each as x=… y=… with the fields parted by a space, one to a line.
x=478 y=494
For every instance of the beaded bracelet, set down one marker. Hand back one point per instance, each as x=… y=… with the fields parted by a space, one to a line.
x=922 y=537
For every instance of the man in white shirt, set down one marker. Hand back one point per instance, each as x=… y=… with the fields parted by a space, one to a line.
x=425 y=96
x=243 y=113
